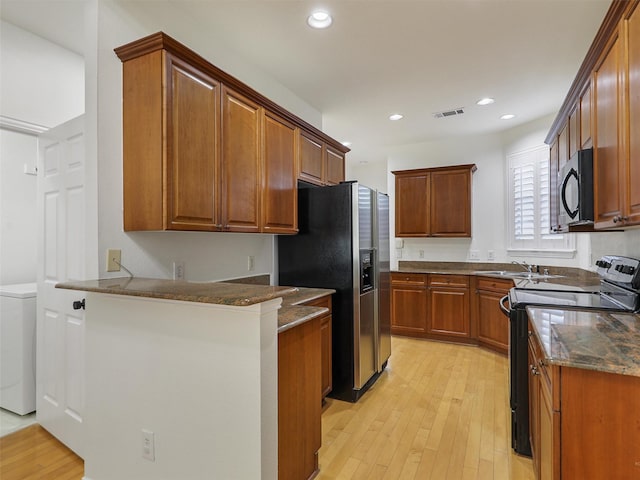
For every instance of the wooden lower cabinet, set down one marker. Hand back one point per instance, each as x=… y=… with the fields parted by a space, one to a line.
x=299 y=400
x=585 y=423
x=492 y=324
x=326 y=343
x=409 y=300
x=449 y=306
x=431 y=306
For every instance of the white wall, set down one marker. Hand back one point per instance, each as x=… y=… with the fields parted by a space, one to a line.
x=488 y=197
x=207 y=256
x=42 y=83
x=372 y=174
x=17 y=208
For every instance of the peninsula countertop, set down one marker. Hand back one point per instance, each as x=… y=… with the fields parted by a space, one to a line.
x=589 y=339
x=222 y=293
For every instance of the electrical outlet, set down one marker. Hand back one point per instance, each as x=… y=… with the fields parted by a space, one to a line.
x=474 y=255
x=491 y=255
x=113 y=260
x=251 y=263
x=178 y=270
x=421 y=253
x=148 y=445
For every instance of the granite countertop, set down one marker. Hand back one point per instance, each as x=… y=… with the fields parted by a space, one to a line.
x=220 y=293
x=589 y=339
x=290 y=314
x=561 y=278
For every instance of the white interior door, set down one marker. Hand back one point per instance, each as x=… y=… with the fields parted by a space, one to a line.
x=61 y=258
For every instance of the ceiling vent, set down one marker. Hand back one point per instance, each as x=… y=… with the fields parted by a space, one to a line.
x=449 y=113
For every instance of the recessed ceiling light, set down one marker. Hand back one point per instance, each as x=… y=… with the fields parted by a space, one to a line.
x=395 y=116
x=508 y=116
x=485 y=101
x=319 y=19
x=346 y=144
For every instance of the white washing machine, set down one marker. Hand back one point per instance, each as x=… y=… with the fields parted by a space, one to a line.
x=18 y=347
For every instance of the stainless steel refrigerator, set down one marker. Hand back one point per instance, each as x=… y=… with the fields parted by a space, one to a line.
x=343 y=243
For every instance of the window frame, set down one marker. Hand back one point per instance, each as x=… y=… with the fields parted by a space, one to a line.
x=550 y=245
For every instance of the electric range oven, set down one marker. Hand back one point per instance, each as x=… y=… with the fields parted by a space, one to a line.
x=619 y=291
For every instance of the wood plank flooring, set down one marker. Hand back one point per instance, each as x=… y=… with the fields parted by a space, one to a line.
x=34 y=454
x=440 y=411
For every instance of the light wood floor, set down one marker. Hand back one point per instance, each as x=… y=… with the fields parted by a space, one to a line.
x=439 y=411
x=33 y=454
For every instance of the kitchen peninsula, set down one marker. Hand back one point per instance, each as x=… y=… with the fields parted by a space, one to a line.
x=184 y=376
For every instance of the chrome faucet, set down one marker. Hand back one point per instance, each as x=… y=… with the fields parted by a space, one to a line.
x=525 y=265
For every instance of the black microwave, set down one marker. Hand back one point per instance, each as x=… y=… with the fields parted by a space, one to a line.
x=575 y=189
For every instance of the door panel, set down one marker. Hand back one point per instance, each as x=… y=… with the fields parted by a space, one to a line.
x=62 y=257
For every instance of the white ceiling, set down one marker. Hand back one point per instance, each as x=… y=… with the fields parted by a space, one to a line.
x=385 y=56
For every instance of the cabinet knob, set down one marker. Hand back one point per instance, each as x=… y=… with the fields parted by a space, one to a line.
x=530 y=333
x=77 y=305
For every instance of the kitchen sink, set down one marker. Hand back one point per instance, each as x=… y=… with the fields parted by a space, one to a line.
x=512 y=274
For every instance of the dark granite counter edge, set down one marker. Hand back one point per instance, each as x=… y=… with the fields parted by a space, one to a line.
x=209 y=292
x=292 y=316
x=572 y=363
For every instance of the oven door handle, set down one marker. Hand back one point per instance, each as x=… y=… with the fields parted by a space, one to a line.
x=504 y=309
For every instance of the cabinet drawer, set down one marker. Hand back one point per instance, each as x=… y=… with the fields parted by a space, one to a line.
x=324 y=302
x=494 y=284
x=419 y=279
x=454 y=281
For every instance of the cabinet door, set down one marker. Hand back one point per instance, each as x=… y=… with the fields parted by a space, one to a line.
x=563 y=146
x=334 y=169
x=534 y=411
x=609 y=193
x=633 y=176
x=327 y=364
x=240 y=165
x=311 y=159
x=574 y=131
x=451 y=203
x=279 y=192
x=546 y=431
x=585 y=118
x=493 y=325
x=408 y=310
x=412 y=205
x=192 y=144
x=449 y=313
x=554 y=204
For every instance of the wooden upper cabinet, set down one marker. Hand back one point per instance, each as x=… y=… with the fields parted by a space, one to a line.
x=311 y=159
x=554 y=205
x=334 y=166
x=451 y=203
x=280 y=193
x=412 y=205
x=608 y=129
x=563 y=146
x=585 y=118
x=319 y=163
x=574 y=131
x=240 y=166
x=434 y=202
x=203 y=151
x=632 y=178
x=193 y=99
